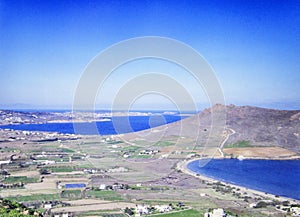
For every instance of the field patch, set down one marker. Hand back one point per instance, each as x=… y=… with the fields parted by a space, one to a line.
x=18 y=179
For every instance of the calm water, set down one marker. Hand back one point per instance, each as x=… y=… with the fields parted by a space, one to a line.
x=279 y=177
x=117 y=125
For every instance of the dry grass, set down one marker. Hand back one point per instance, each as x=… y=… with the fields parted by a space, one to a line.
x=261 y=152
x=94 y=207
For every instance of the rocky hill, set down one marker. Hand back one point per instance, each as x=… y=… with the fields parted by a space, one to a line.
x=262 y=127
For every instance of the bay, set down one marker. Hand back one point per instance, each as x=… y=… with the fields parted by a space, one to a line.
x=278 y=177
x=115 y=125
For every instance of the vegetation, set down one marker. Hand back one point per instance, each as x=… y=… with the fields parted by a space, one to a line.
x=239 y=144
x=44 y=171
x=131 y=148
x=261 y=204
x=18 y=179
x=184 y=213
x=105 y=195
x=6 y=149
x=103 y=214
x=72 y=194
x=66 y=150
x=164 y=143
x=35 y=197
x=13 y=209
x=60 y=169
x=143 y=156
x=114 y=142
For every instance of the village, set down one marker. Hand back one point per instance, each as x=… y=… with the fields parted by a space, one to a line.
x=63 y=175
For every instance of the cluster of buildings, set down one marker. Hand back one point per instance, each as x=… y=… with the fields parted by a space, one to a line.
x=142 y=210
x=219 y=212
x=148 y=152
x=143 y=152
x=9 y=135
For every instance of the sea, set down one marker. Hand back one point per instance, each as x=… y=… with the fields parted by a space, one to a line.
x=111 y=126
x=278 y=177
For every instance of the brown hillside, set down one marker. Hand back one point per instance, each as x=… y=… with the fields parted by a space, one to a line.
x=264 y=127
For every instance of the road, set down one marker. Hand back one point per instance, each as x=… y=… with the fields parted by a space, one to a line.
x=225 y=140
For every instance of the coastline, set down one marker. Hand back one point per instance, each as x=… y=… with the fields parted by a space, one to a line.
x=182 y=166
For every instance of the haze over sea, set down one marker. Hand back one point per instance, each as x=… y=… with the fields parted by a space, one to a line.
x=278 y=177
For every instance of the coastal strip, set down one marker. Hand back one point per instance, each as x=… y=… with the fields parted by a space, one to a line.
x=182 y=166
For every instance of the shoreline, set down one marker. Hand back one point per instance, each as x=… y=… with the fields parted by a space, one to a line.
x=296 y=157
x=182 y=166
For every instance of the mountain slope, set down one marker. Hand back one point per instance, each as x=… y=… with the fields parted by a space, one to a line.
x=264 y=127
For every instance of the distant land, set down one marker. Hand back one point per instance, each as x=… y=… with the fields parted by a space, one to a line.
x=146 y=168
x=253 y=126
x=258 y=132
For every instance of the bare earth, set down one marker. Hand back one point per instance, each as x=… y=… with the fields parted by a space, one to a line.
x=262 y=152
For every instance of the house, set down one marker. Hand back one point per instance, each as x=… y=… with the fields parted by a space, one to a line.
x=102 y=187
x=148 y=152
x=163 y=208
x=48 y=206
x=90 y=171
x=215 y=213
x=295 y=211
x=126 y=155
x=117 y=186
x=141 y=210
x=5 y=162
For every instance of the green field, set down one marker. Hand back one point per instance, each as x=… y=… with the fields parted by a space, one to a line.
x=239 y=144
x=105 y=195
x=35 y=197
x=71 y=194
x=60 y=169
x=66 y=150
x=164 y=144
x=185 y=213
x=131 y=148
x=102 y=214
x=23 y=179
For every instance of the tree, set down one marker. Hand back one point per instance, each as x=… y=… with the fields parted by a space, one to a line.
x=44 y=171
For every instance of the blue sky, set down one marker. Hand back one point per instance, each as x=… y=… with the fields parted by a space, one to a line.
x=253 y=46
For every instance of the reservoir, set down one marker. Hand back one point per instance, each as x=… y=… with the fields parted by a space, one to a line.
x=278 y=177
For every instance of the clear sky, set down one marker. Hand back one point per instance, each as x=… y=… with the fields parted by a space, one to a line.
x=253 y=46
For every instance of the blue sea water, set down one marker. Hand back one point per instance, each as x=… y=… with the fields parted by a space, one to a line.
x=117 y=125
x=278 y=177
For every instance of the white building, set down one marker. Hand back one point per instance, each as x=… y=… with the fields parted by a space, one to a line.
x=102 y=187
x=163 y=208
x=48 y=206
x=215 y=213
x=141 y=210
x=295 y=211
